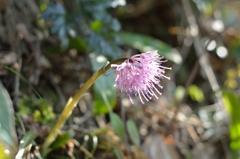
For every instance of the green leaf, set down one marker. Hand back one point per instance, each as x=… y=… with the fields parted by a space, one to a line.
x=62 y=139
x=78 y=44
x=117 y=124
x=96 y=25
x=133 y=132
x=146 y=43
x=27 y=139
x=196 y=93
x=7 y=131
x=105 y=96
x=232 y=103
x=118 y=153
x=179 y=93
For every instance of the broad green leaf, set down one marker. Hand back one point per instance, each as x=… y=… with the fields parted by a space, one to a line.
x=117 y=124
x=7 y=131
x=62 y=139
x=196 y=93
x=146 y=43
x=118 y=153
x=105 y=96
x=232 y=103
x=133 y=132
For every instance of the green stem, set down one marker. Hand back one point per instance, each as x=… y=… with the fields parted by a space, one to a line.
x=72 y=102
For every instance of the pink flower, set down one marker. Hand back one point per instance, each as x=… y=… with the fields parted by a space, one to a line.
x=140 y=74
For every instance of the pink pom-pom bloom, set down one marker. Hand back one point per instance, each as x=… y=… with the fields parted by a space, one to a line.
x=140 y=74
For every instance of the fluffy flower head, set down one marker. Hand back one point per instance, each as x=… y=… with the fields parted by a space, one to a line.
x=140 y=75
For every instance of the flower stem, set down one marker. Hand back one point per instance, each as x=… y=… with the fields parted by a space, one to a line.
x=72 y=102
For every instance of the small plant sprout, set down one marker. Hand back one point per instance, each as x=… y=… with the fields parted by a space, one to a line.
x=140 y=74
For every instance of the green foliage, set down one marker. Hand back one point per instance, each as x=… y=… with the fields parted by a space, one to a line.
x=96 y=25
x=232 y=103
x=8 y=137
x=196 y=93
x=117 y=124
x=118 y=153
x=78 y=44
x=145 y=43
x=100 y=14
x=62 y=139
x=41 y=109
x=179 y=93
x=27 y=139
x=95 y=28
x=133 y=132
x=60 y=23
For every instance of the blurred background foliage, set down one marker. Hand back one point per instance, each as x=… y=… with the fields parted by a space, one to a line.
x=49 y=48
